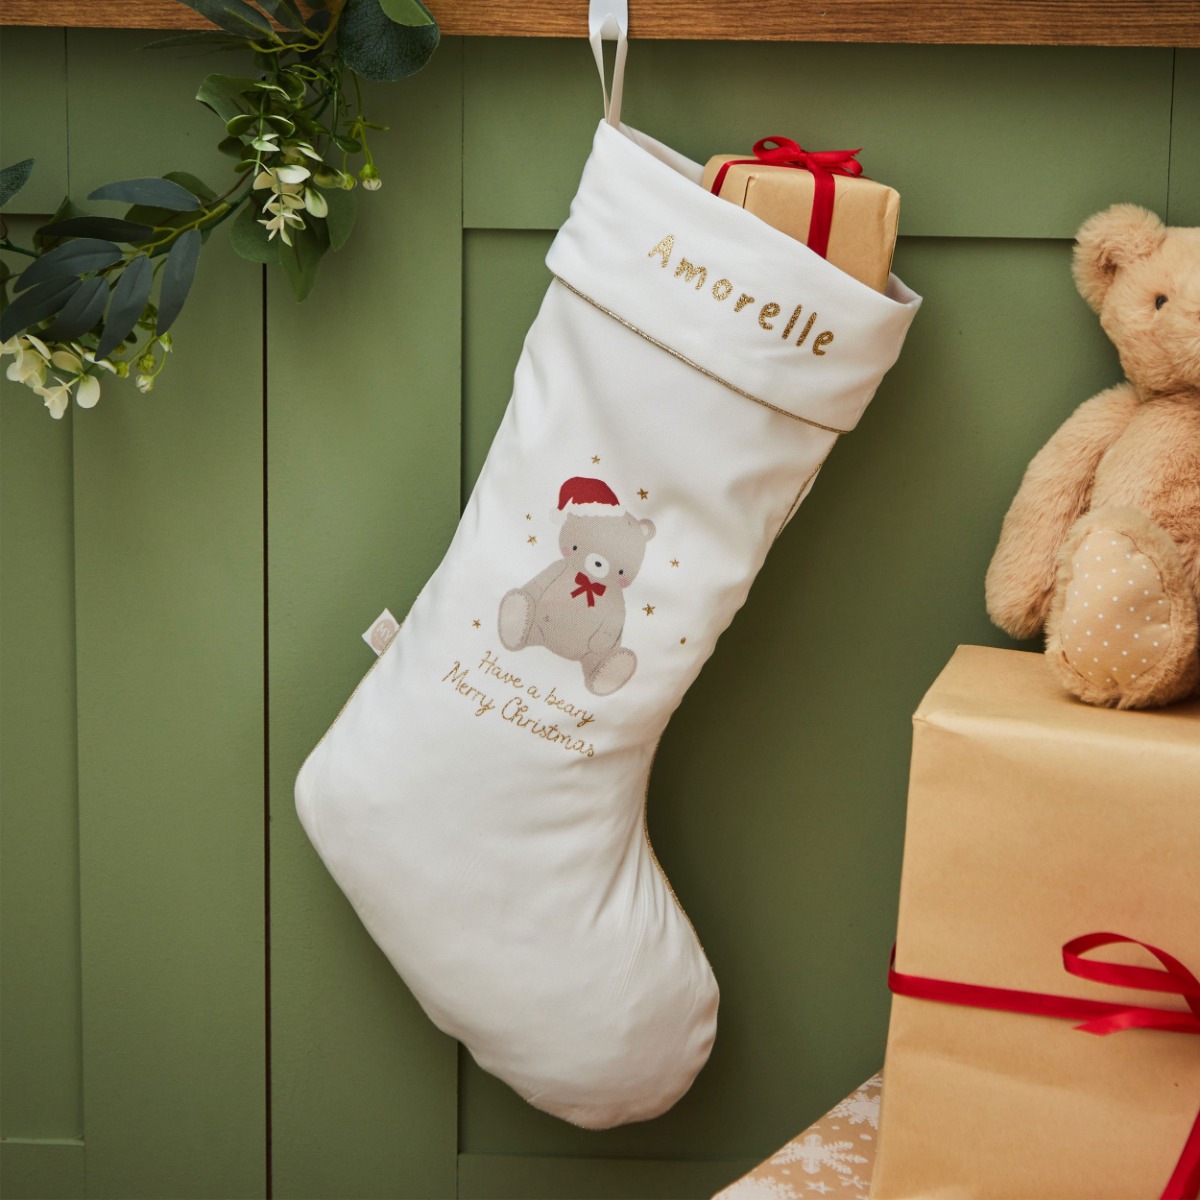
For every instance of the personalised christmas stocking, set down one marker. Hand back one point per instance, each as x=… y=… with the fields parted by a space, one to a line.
x=481 y=797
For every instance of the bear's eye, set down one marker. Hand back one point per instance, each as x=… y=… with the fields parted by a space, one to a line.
x=621 y=571
x=1159 y=301
x=574 y=547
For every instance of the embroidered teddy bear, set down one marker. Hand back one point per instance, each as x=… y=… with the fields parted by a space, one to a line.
x=576 y=606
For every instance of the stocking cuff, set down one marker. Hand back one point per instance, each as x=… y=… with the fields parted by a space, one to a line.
x=720 y=289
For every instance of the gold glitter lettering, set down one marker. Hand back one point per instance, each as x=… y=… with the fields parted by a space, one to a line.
x=663 y=249
x=723 y=289
x=807 y=327
x=767 y=310
x=686 y=268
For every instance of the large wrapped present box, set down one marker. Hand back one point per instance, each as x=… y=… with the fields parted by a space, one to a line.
x=833 y=1156
x=1035 y=821
x=862 y=217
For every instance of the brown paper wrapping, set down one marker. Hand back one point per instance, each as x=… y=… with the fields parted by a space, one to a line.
x=866 y=214
x=833 y=1156
x=1032 y=819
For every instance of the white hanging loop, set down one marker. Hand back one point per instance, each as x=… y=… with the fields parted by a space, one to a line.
x=608 y=21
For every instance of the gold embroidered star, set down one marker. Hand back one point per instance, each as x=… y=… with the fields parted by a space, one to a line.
x=532 y=539
x=476 y=624
x=674 y=562
x=595 y=458
x=529 y=516
x=643 y=494
x=649 y=610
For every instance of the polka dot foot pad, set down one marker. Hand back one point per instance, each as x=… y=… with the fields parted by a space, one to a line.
x=1115 y=621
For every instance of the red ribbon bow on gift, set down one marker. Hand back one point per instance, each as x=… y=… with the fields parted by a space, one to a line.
x=586 y=584
x=823 y=165
x=1098 y=1016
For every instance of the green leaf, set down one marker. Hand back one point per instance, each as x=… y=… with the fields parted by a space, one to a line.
x=238 y=125
x=407 y=12
x=348 y=144
x=301 y=260
x=65 y=210
x=36 y=305
x=161 y=193
x=372 y=44
x=13 y=179
x=177 y=274
x=249 y=239
x=339 y=220
x=285 y=12
x=98 y=227
x=76 y=257
x=234 y=16
x=81 y=312
x=129 y=298
x=194 y=185
x=294 y=85
x=225 y=95
x=231 y=146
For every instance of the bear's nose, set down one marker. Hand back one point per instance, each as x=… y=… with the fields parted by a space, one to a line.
x=597 y=565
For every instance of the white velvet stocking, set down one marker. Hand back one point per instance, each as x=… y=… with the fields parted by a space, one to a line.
x=481 y=798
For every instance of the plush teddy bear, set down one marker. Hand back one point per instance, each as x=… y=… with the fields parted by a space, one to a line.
x=576 y=607
x=1101 y=546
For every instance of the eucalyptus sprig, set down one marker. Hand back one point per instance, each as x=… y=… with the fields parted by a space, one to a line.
x=102 y=291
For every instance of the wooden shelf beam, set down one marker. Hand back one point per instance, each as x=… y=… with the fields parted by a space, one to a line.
x=950 y=22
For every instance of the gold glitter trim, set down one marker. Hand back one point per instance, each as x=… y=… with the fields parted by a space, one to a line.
x=654 y=857
x=803 y=490
x=783 y=412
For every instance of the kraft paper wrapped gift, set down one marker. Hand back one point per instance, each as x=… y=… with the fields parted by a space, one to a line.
x=865 y=214
x=833 y=1156
x=1034 y=819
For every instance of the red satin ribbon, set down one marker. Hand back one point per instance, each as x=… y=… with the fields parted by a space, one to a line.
x=1098 y=1016
x=587 y=585
x=823 y=164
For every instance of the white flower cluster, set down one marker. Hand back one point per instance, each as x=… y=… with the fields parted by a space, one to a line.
x=291 y=193
x=55 y=374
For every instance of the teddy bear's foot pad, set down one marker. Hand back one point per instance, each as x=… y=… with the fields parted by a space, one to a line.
x=1118 y=635
x=516 y=616
x=612 y=673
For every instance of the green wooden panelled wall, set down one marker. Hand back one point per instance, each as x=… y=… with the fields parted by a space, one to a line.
x=190 y=1008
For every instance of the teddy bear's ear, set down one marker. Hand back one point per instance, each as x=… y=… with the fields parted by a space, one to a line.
x=1110 y=240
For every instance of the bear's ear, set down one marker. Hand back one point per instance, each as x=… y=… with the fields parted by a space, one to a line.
x=1110 y=240
x=647 y=528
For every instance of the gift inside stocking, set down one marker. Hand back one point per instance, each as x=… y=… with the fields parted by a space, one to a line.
x=481 y=797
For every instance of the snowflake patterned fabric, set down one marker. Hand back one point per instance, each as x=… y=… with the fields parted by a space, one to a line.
x=829 y=1158
x=480 y=799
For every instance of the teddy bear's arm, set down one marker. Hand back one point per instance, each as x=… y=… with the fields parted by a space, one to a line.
x=543 y=579
x=1054 y=493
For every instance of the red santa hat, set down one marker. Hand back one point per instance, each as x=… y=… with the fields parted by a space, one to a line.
x=587 y=498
